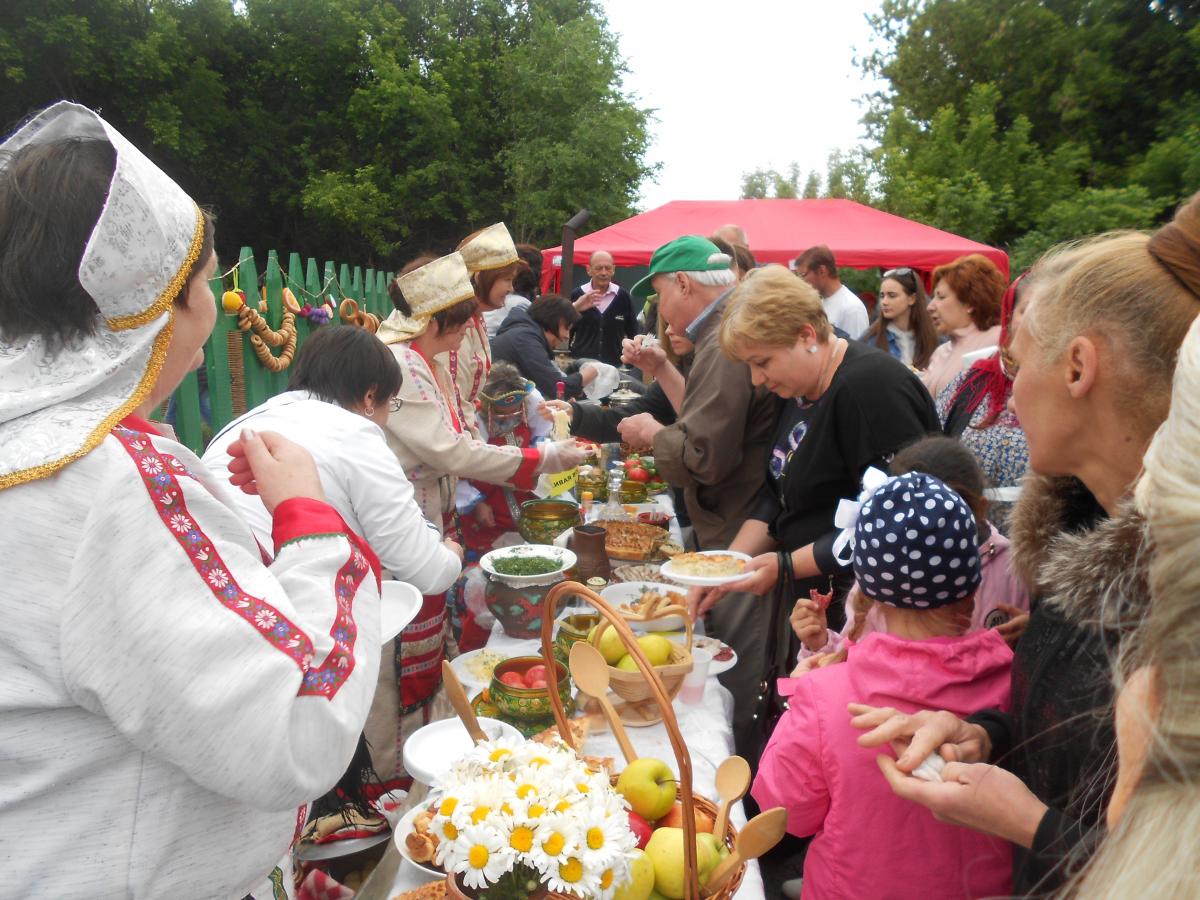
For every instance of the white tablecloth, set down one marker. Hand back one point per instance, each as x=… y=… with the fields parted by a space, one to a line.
x=706 y=730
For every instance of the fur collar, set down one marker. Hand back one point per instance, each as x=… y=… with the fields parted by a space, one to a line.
x=1074 y=557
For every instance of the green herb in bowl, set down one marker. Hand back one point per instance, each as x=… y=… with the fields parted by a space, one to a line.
x=526 y=565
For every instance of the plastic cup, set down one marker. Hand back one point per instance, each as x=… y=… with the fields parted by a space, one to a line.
x=692 y=690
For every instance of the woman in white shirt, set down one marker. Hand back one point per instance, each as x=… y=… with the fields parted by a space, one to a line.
x=342 y=390
x=904 y=327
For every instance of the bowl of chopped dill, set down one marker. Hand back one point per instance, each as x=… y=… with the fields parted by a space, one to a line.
x=518 y=580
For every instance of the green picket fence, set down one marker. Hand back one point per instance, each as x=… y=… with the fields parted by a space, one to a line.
x=242 y=385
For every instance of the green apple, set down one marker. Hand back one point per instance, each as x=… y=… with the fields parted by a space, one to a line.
x=649 y=786
x=610 y=645
x=712 y=841
x=656 y=647
x=665 y=849
x=641 y=879
x=655 y=895
x=627 y=663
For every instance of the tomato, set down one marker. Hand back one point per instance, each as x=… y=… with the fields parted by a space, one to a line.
x=632 y=463
x=638 y=474
x=536 y=683
x=534 y=673
x=512 y=679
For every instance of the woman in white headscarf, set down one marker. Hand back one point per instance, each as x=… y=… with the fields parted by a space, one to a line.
x=167 y=700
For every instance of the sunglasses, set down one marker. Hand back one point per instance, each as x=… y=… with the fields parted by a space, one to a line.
x=904 y=270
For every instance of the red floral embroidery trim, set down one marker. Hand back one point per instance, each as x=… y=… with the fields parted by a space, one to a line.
x=159 y=475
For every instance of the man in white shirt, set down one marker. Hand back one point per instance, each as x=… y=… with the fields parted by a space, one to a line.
x=845 y=311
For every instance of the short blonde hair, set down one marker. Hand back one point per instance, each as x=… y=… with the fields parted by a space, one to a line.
x=770 y=307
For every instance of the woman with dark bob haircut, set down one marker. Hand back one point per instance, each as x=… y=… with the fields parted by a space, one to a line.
x=157 y=676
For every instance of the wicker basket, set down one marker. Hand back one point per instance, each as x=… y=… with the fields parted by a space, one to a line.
x=658 y=692
x=633 y=687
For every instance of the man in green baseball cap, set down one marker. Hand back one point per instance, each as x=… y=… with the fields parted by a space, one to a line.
x=716 y=448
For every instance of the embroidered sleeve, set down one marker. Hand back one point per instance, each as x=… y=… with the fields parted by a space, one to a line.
x=255 y=681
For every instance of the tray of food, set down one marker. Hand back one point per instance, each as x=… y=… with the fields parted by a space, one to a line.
x=639 y=603
x=706 y=568
x=723 y=656
x=474 y=669
x=637 y=541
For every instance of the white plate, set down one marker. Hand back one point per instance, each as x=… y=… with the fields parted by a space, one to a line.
x=700 y=581
x=629 y=591
x=712 y=645
x=566 y=559
x=403 y=829
x=461 y=666
x=399 y=603
x=430 y=750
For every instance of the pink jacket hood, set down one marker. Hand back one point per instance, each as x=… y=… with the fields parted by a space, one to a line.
x=869 y=842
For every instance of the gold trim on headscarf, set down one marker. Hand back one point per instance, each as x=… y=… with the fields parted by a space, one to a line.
x=492 y=248
x=158 y=355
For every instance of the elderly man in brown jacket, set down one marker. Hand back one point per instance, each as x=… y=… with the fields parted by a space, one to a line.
x=717 y=449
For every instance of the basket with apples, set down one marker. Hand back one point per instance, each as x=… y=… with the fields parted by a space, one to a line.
x=680 y=853
x=669 y=660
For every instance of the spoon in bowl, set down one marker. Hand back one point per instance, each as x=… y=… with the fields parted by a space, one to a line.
x=590 y=672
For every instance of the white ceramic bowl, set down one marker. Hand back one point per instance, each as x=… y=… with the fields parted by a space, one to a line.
x=565 y=558
x=430 y=750
x=630 y=591
x=403 y=829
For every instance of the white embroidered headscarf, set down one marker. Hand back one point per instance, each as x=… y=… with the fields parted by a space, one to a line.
x=55 y=407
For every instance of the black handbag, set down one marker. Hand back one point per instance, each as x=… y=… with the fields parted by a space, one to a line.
x=777 y=655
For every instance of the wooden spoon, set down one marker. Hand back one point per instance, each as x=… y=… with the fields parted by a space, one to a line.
x=733 y=780
x=462 y=706
x=760 y=835
x=590 y=672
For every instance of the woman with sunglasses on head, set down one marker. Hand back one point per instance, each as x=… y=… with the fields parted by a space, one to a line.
x=965 y=307
x=904 y=328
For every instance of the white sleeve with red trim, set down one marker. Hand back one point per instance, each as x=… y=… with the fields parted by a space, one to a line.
x=254 y=681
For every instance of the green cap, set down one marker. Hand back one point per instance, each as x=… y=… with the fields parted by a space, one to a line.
x=690 y=253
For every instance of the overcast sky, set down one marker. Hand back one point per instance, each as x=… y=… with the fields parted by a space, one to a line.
x=742 y=84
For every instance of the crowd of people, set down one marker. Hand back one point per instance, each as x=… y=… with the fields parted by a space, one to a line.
x=966 y=625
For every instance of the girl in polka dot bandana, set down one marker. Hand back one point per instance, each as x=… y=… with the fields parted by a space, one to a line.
x=915 y=553
x=916 y=545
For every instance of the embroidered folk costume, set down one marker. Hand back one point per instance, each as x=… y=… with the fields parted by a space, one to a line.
x=429 y=437
x=168 y=703
x=467 y=368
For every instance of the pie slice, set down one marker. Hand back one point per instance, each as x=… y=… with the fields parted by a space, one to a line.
x=579 y=728
x=632 y=540
x=707 y=565
x=434 y=891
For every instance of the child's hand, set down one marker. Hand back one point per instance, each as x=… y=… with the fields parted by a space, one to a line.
x=1012 y=630
x=822 y=600
x=820 y=661
x=484 y=515
x=809 y=623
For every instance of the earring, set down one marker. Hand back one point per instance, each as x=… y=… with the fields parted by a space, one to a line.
x=369 y=411
x=812 y=348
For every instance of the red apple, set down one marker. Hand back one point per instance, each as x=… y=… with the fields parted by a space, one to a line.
x=674 y=818
x=641 y=829
x=512 y=679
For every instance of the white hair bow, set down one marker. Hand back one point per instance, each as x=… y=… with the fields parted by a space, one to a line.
x=846 y=517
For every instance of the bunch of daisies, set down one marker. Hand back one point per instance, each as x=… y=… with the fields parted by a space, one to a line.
x=513 y=816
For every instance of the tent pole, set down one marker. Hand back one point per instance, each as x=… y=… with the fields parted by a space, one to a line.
x=567 y=272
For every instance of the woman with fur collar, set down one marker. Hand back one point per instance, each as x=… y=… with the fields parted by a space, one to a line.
x=1096 y=353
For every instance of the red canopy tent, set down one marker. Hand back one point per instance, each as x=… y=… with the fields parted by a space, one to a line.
x=778 y=231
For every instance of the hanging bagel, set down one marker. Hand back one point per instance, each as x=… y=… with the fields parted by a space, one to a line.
x=263 y=337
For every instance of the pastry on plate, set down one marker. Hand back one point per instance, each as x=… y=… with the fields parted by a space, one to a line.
x=707 y=565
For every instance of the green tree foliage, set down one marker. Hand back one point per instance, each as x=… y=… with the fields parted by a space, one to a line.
x=364 y=129
x=763 y=183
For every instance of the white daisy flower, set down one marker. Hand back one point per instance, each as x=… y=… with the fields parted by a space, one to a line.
x=602 y=837
x=481 y=855
x=571 y=876
x=555 y=840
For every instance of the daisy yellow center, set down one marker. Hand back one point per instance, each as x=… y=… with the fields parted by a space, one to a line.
x=480 y=813
x=525 y=790
x=606 y=879
x=498 y=754
x=450 y=831
x=582 y=787
x=478 y=857
x=448 y=806
x=505 y=808
x=539 y=761
x=536 y=811
x=563 y=806
x=595 y=838
x=571 y=871
x=521 y=839
x=554 y=844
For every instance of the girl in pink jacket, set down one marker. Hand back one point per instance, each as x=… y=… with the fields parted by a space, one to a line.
x=916 y=554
